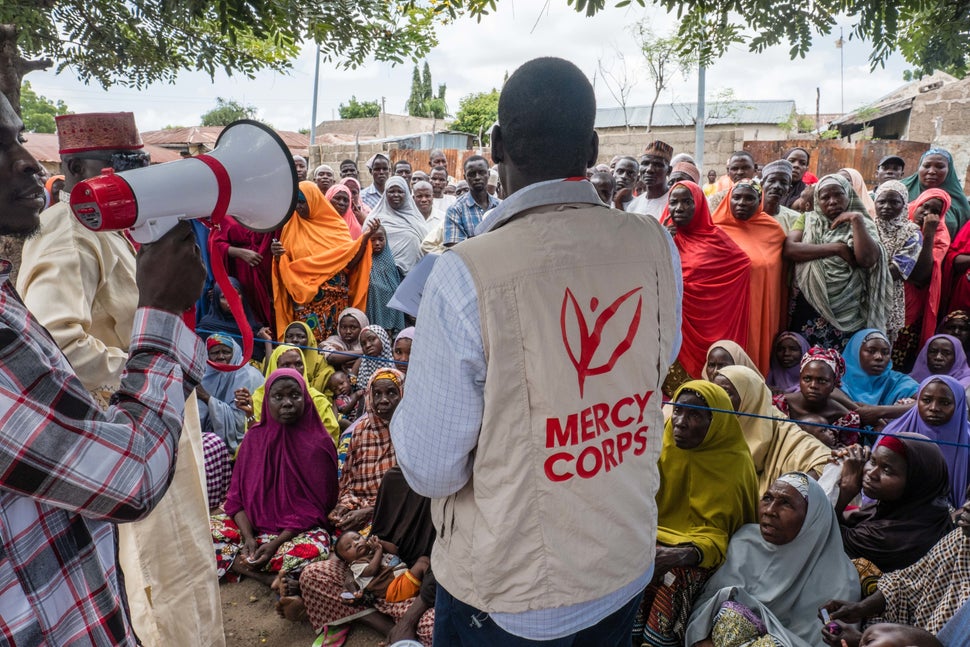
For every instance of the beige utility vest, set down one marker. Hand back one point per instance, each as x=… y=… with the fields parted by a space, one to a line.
x=577 y=306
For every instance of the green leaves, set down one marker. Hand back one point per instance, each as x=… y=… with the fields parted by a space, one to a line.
x=38 y=111
x=477 y=113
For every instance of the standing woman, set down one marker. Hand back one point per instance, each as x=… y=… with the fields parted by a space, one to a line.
x=762 y=239
x=717 y=278
x=404 y=224
x=340 y=196
x=936 y=171
x=319 y=270
x=859 y=186
x=842 y=280
x=248 y=259
x=903 y=242
x=361 y=210
x=924 y=288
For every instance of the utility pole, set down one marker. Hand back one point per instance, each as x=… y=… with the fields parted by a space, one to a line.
x=313 y=115
x=699 y=120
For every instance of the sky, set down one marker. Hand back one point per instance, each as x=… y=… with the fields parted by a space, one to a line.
x=474 y=56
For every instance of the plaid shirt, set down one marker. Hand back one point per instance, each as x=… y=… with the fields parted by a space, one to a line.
x=369 y=455
x=463 y=216
x=69 y=471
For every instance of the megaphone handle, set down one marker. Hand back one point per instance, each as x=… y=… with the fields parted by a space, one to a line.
x=218 y=260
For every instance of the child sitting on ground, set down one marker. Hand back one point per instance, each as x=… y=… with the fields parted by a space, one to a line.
x=376 y=570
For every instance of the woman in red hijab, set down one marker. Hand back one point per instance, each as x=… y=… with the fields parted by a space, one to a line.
x=717 y=277
x=923 y=302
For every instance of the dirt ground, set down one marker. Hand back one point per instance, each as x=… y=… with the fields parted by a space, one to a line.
x=250 y=620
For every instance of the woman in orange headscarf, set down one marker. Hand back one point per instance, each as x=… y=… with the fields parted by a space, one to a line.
x=717 y=277
x=741 y=217
x=319 y=270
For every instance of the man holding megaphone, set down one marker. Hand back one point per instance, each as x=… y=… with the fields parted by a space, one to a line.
x=81 y=286
x=68 y=469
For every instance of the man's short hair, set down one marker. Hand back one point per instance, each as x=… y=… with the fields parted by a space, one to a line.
x=546 y=112
x=741 y=154
x=474 y=158
x=440 y=168
x=605 y=176
x=399 y=162
x=351 y=162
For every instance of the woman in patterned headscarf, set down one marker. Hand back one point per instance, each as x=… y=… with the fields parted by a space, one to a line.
x=902 y=240
x=842 y=280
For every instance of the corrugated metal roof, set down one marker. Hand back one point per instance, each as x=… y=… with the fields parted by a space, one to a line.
x=207 y=136
x=682 y=114
x=44 y=148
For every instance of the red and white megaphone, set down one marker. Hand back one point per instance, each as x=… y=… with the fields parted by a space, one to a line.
x=249 y=174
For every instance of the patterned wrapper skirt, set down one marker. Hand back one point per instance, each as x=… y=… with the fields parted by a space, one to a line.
x=665 y=608
x=305 y=548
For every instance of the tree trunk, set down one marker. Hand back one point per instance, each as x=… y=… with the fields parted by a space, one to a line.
x=13 y=67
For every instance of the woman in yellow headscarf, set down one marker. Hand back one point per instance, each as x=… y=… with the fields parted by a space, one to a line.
x=318 y=268
x=318 y=371
x=777 y=445
x=292 y=357
x=708 y=489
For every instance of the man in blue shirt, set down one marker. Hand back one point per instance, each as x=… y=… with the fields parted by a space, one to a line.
x=469 y=210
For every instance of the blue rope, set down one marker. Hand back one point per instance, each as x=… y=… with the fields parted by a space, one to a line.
x=868 y=430
x=257 y=340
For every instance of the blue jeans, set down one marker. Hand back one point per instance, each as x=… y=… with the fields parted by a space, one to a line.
x=459 y=624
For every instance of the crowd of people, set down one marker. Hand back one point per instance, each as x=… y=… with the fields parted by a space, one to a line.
x=812 y=471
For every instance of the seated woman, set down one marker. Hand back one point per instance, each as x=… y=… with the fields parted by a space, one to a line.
x=870 y=381
x=370 y=452
x=401 y=516
x=762 y=239
x=343 y=349
x=378 y=353
x=283 y=486
x=220 y=319
x=786 y=355
x=926 y=594
x=842 y=282
x=287 y=357
x=776 y=574
x=941 y=415
x=726 y=353
x=820 y=374
x=942 y=355
x=716 y=279
x=223 y=423
x=694 y=520
x=905 y=479
x=777 y=445
x=957 y=324
x=318 y=371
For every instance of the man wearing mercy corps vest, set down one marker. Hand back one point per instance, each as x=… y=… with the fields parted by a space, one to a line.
x=533 y=410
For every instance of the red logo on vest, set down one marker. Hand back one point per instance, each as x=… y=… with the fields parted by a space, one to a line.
x=590 y=340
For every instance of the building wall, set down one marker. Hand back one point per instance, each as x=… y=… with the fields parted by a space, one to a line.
x=951 y=106
x=719 y=143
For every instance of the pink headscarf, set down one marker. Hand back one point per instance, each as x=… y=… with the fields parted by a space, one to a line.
x=285 y=476
x=348 y=215
x=364 y=209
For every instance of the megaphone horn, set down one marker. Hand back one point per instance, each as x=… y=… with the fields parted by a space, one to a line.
x=249 y=174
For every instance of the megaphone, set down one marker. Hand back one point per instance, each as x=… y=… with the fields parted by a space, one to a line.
x=249 y=175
